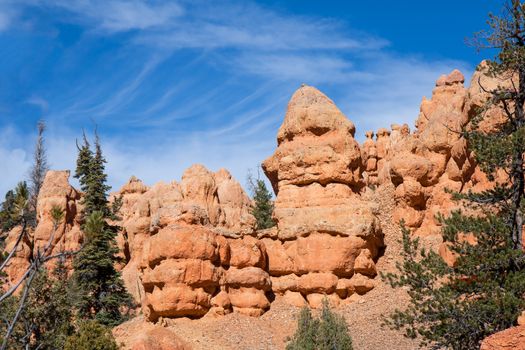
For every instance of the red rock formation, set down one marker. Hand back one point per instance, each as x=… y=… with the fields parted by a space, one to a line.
x=55 y=192
x=323 y=225
x=190 y=247
x=435 y=157
x=175 y=240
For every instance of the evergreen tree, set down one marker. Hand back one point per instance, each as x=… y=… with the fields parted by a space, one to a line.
x=99 y=289
x=14 y=209
x=38 y=170
x=84 y=160
x=40 y=316
x=482 y=293
x=7 y=212
x=90 y=172
x=101 y=292
x=263 y=207
x=306 y=333
x=328 y=332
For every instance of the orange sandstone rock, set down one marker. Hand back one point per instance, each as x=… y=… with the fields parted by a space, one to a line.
x=509 y=339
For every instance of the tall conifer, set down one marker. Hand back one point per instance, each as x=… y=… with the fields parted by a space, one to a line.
x=98 y=285
x=38 y=170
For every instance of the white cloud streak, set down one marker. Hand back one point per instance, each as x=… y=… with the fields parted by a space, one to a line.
x=115 y=15
x=8 y=14
x=249 y=26
x=374 y=88
x=39 y=102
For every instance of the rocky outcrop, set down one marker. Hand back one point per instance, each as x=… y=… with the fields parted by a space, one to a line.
x=56 y=192
x=509 y=339
x=434 y=158
x=323 y=225
x=421 y=165
x=176 y=239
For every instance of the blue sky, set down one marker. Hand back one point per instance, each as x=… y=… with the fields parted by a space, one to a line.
x=172 y=83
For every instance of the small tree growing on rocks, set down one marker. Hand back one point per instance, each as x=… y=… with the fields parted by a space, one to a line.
x=8 y=212
x=263 y=206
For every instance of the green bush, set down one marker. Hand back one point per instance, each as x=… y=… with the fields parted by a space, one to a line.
x=91 y=335
x=328 y=332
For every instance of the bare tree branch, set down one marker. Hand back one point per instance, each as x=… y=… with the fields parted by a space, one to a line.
x=20 y=308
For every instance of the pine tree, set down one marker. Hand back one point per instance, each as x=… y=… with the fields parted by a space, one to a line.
x=47 y=319
x=7 y=212
x=40 y=316
x=263 y=207
x=306 y=332
x=90 y=172
x=99 y=289
x=482 y=293
x=15 y=207
x=38 y=170
x=84 y=160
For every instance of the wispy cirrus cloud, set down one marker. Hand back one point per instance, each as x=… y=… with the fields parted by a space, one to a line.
x=4 y=20
x=249 y=26
x=207 y=25
x=110 y=15
x=171 y=83
x=39 y=102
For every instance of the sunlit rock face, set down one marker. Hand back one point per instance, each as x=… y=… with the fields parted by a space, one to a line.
x=326 y=235
x=176 y=240
x=435 y=157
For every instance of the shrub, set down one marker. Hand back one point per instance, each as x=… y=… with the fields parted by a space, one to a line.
x=91 y=335
x=328 y=332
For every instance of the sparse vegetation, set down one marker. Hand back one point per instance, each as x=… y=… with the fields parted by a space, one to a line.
x=328 y=332
x=91 y=335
